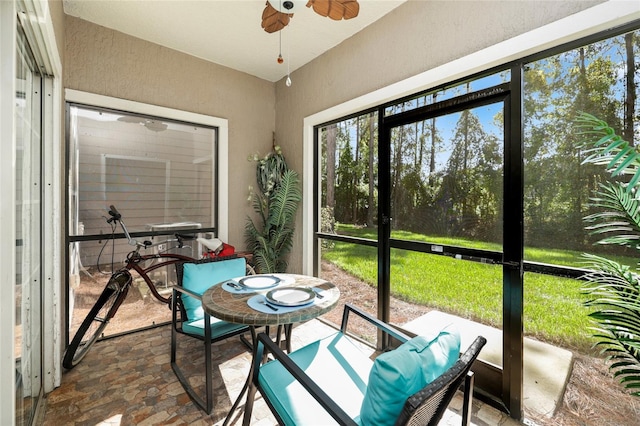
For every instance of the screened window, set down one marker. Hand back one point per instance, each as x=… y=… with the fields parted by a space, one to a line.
x=601 y=79
x=161 y=176
x=350 y=177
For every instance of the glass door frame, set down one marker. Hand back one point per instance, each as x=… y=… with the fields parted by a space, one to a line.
x=512 y=257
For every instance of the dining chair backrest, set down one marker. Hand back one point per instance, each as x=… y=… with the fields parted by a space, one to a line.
x=199 y=275
x=188 y=317
x=427 y=406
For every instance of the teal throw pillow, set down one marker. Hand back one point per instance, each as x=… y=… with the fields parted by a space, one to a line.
x=398 y=374
x=198 y=277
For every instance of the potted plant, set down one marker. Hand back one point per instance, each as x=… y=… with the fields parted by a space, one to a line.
x=614 y=289
x=276 y=203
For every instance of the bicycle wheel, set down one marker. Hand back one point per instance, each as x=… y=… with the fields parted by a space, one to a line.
x=97 y=319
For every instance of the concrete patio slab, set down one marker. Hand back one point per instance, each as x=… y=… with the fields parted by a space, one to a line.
x=547 y=368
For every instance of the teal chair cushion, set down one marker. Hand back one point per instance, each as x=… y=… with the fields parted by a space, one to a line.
x=398 y=374
x=198 y=277
x=337 y=364
x=218 y=327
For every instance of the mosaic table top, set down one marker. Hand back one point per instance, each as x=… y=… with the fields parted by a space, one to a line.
x=232 y=307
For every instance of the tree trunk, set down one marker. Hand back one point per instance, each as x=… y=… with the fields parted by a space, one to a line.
x=370 y=210
x=396 y=187
x=331 y=166
x=355 y=175
x=630 y=101
x=432 y=157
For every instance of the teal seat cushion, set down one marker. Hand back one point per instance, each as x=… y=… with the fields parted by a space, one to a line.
x=398 y=374
x=218 y=327
x=198 y=277
x=337 y=364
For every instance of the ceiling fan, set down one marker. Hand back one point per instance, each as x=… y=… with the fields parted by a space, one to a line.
x=277 y=13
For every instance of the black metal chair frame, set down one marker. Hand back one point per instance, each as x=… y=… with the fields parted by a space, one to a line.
x=417 y=406
x=178 y=315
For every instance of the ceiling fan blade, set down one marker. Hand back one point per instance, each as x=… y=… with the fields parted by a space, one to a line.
x=272 y=20
x=335 y=9
x=351 y=8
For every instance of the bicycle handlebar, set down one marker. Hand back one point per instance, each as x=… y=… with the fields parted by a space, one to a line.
x=114 y=213
x=117 y=217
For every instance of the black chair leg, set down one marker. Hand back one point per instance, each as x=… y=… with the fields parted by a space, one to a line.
x=467 y=399
x=207 y=404
x=247 y=386
x=207 y=363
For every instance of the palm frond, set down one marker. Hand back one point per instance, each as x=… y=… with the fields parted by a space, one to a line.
x=619 y=217
x=613 y=292
x=285 y=200
x=610 y=150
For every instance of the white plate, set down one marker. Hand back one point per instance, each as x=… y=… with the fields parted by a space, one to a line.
x=291 y=296
x=259 y=281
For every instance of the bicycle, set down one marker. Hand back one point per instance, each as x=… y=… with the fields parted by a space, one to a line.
x=117 y=288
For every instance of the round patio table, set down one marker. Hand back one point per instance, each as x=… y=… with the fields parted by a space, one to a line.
x=233 y=307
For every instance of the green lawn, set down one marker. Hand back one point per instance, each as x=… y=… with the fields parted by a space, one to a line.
x=553 y=306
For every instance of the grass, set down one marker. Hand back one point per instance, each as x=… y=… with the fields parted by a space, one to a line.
x=553 y=306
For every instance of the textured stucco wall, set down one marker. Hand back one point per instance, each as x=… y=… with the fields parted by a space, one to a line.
x=415 y=37
x=57 y=19
x=106 y=62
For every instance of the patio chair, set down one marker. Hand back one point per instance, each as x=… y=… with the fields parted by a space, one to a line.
x=334 y=381
x=188 y=317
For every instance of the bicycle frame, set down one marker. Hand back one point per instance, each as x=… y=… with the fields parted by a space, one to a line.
x=116 y=290
x=135 y=259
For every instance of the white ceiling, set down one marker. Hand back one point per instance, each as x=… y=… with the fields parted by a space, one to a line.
x=228 y=32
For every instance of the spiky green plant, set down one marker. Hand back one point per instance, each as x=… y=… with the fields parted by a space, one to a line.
x=276 y=204
x=614 y=289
